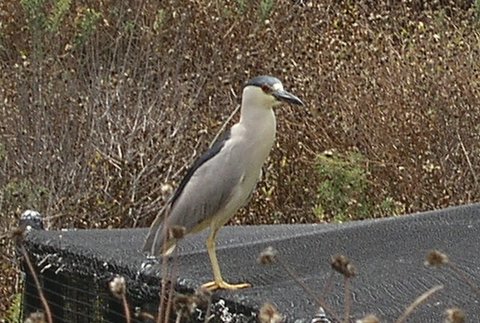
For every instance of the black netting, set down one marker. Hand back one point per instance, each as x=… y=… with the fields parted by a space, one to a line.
x=75 y=268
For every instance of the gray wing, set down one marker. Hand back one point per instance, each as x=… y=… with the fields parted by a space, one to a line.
x=204 y=191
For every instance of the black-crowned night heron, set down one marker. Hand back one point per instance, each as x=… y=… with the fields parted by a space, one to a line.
x=223 y=178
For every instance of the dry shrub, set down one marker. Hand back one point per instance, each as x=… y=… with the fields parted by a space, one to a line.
x=104 y=104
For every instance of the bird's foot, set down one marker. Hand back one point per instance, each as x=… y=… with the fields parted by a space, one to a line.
x=211 y=286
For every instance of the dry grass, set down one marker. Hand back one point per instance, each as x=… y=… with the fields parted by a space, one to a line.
x=104 y=104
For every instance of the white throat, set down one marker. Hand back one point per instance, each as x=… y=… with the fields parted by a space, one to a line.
x=257 y=120
x=257 y=108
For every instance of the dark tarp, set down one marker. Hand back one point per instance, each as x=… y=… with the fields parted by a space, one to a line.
x=389 y=255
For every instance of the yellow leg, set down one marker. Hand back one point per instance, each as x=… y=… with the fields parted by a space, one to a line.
x=218 y=282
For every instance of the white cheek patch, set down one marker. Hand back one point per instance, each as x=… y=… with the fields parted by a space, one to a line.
x=277 y=86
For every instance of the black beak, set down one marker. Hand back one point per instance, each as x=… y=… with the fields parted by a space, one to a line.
x=285 y=96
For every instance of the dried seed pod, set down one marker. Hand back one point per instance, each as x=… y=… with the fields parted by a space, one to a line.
x=436 y=258
x=267 y=256
x=342 y=265
x=118 y=286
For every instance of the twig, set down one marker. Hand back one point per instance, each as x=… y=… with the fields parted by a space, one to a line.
x=161 y=304
x=207 y=313
x=118 y=288
x=179 y=317
x=224 y=125
x=48 y=313
x=328 y=286
x=171 y=288
x=418 y=301
x=308 y=291
x=464 y=277
x=176 y=233
x=475 y=179
x=347 y=299
x=146 y=316
x=126 y=308
x=164 y=277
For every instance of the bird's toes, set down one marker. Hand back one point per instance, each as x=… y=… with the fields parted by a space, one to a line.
x=211 y=286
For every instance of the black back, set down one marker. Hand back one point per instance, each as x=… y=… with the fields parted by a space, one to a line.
x=210 y=153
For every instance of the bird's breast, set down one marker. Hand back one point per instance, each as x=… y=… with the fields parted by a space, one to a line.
x=257 y=147
x=247 y=152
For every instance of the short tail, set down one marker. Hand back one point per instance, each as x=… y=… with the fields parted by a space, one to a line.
x=157 y=242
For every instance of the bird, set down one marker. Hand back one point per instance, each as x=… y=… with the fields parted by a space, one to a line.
x=222 y=179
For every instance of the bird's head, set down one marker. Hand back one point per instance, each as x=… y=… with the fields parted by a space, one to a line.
x=267 y=91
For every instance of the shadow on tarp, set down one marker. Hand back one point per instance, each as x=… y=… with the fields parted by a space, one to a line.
x=75 y=267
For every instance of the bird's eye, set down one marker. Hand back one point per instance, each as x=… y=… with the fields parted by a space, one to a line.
x=266 y=88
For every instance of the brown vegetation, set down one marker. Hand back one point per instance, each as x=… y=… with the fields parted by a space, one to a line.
x=104 y=104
